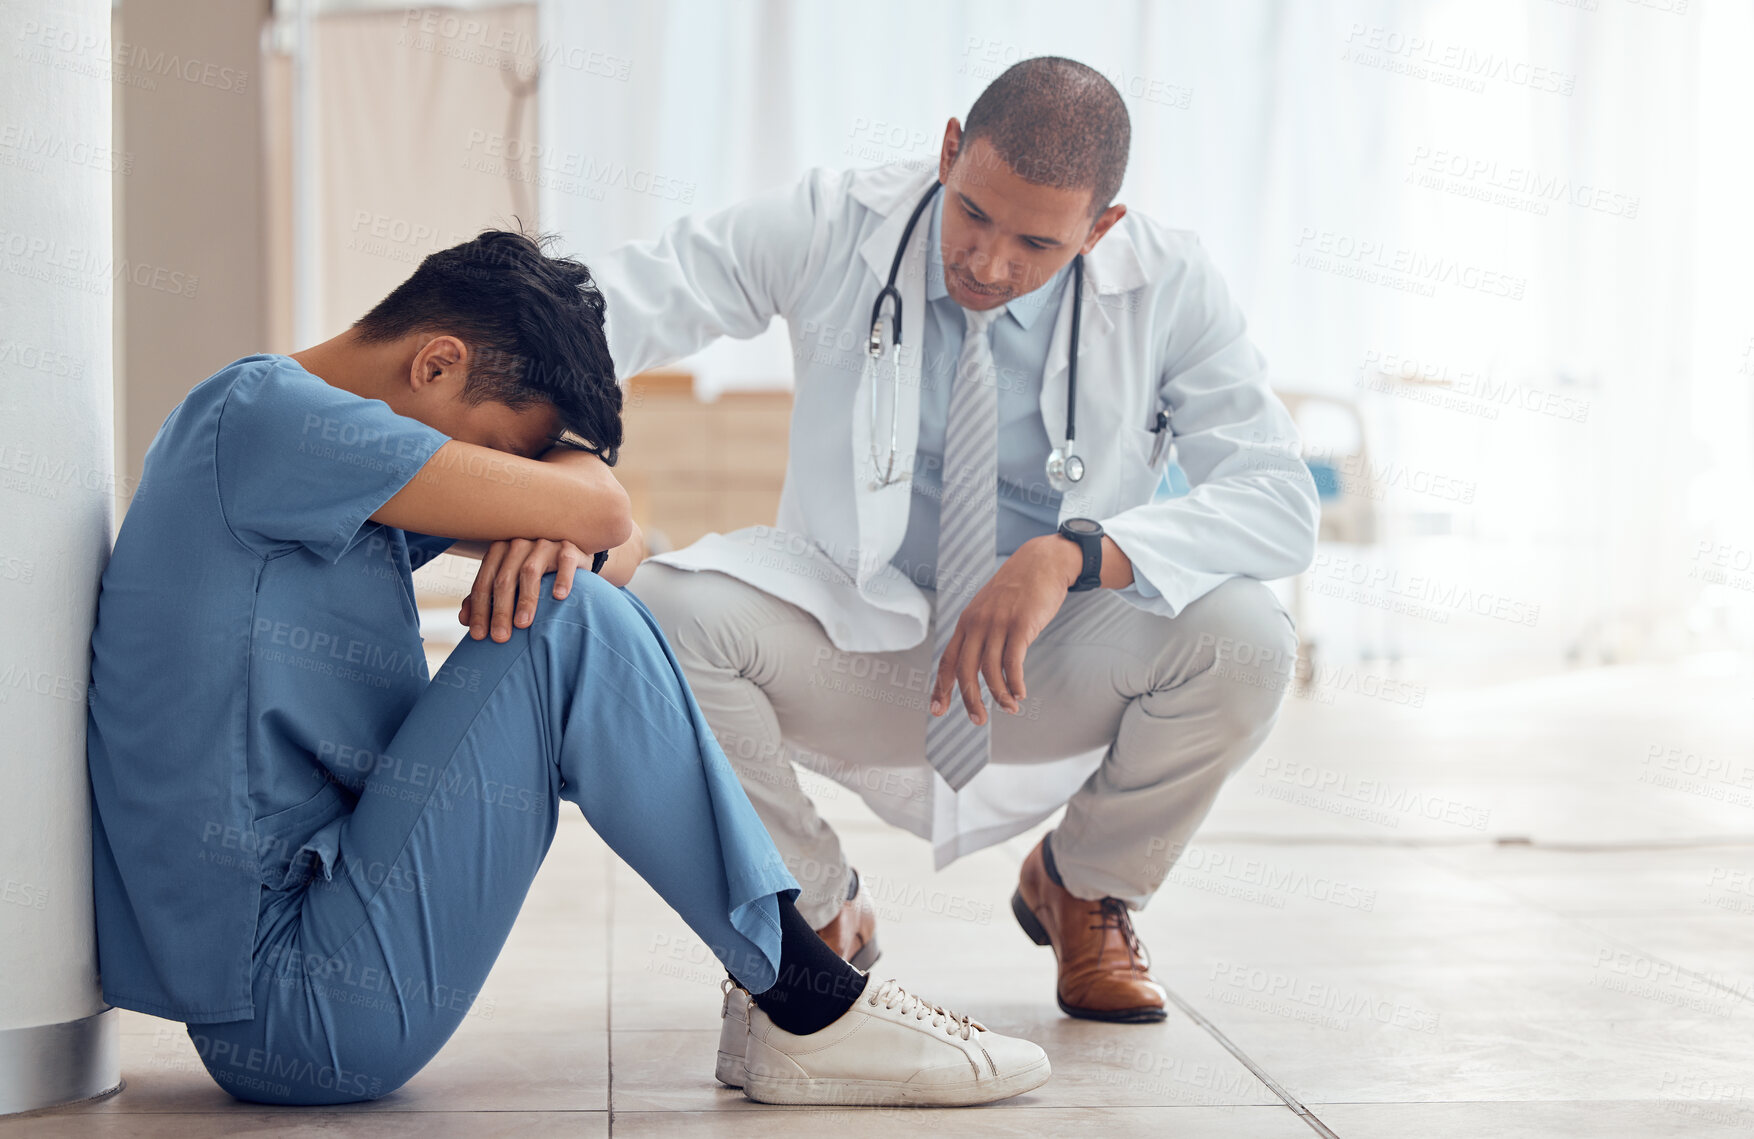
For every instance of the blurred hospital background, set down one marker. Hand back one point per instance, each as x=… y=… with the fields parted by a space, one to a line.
x=1495 y=251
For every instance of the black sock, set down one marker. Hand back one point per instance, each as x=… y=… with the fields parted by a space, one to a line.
x=1047 y=861
x=815 y=986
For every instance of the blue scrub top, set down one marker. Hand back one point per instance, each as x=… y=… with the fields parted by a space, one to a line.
x=256 y=648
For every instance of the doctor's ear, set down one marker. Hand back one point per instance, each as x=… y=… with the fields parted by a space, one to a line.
x=947 y=150
x=436 y=357
x=1104 y=222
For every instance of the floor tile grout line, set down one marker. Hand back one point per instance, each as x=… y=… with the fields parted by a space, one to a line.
x=1260 y=1073
x=779 y=1111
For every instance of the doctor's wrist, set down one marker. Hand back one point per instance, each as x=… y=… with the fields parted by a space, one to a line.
x=1065 y=561
x=1117 y=567
x=1062 y=560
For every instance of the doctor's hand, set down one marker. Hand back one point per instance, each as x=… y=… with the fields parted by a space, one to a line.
x=999 y=624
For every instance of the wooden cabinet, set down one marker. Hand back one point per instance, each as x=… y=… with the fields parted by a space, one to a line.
x=692 y=468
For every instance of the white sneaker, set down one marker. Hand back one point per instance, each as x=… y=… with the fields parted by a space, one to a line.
x=890 y=1048
x=733 y=1031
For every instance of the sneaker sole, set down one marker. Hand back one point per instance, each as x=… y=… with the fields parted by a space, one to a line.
x=1146 y=1014
x=886 y=1093
x=729 y=1070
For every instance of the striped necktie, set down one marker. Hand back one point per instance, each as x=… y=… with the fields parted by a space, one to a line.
x=968 y=520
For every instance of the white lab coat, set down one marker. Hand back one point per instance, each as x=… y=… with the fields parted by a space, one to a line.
x=1159 y=331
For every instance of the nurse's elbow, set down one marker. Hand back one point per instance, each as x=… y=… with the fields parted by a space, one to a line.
x=602 y=518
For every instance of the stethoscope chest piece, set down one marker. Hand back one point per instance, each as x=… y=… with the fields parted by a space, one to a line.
x=1064 y=469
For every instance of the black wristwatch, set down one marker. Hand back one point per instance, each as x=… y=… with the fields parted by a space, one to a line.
x=1087 y=533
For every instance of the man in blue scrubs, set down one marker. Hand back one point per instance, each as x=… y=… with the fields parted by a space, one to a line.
x=311 y=853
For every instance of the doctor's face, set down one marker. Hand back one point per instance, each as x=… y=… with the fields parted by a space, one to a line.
x=1004 y=236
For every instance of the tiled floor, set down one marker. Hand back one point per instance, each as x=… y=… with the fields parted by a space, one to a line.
x=1355 y=948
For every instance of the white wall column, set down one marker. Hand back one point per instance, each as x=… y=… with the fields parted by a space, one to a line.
x=58 y=278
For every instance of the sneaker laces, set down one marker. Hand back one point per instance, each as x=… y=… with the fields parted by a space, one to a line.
x=1112 y=914
x=891 y=995
x=727 y=987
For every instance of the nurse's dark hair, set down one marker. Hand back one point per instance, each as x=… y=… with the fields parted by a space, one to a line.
x=533 y=323
x=1056 y=122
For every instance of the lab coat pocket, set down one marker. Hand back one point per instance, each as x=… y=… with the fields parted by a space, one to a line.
x=1162 y=439
x=1137 y=454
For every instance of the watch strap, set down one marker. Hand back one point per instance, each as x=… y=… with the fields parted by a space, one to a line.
x=1090 y=546
x=1091 y=578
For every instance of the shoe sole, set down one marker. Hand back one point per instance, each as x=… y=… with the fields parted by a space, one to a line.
x=1146 y=1014
x=729 y=1070
x=885 y=1093
x=1026 y=918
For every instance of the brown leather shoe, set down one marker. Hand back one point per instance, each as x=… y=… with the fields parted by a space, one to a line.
x=1104 y=971
x=853 y=932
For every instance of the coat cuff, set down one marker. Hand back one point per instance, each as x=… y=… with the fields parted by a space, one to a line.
x=1159 y=586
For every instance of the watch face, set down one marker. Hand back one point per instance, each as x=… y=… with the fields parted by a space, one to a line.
x=1082 y=526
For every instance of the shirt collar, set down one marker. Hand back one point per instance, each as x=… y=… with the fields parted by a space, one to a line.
x=1024 y=309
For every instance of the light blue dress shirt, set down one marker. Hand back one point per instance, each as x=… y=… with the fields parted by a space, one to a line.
x=1028 y=505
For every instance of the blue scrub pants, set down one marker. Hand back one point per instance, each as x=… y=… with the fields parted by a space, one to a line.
x=363 y=973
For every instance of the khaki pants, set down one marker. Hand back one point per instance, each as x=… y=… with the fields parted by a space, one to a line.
x=1179 y=703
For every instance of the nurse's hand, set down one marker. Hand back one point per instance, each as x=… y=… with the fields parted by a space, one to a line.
x=999 y=624
x=508 y=584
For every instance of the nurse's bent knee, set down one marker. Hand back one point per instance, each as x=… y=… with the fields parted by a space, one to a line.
x=592 y=602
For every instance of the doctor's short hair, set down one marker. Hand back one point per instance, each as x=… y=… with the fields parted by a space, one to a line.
x=533 y=323
x=1056 y=122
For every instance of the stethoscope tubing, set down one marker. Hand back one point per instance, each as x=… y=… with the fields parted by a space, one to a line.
x=889 y=290
x=893 y=295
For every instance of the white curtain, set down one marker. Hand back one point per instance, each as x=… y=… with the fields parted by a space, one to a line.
x=422 y=127
x=1541 y=204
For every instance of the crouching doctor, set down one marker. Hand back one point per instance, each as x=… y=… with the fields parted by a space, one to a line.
x=970 y=610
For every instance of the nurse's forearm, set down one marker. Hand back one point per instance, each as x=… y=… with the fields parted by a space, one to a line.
x=468 y=491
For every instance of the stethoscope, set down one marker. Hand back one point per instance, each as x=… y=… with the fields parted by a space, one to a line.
x=1064 y=467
